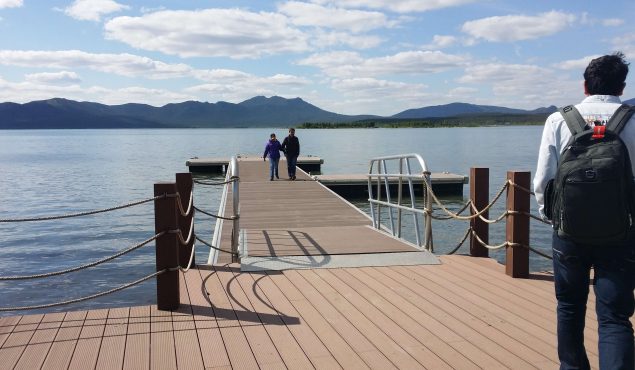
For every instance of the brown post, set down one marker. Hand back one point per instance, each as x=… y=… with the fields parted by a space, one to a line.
x=184 y=187
x=479 y=194
x=165 y=219
x=517 y=258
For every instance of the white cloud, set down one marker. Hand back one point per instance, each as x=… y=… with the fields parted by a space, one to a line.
x=576 y=64
x=11 y=3
x=524 y=85
x=325 y=39
x=399 y=6
x=625 y=44
x=23 y=92
x=462 y=92
x=54 y=78
x=363 y=95
x=93 y=10
x=441 y=41
x=348 y=64
x=120 y=64
x=306 y=14
x=232 y=33
x=612 y=22
x=235 y=86
x=511 y=28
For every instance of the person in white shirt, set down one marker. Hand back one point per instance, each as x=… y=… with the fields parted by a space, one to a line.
x=614 y=265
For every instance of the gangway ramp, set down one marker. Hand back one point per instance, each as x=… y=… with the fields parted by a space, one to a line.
x=303 y=219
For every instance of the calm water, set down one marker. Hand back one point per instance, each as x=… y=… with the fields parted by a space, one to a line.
x=50 y=172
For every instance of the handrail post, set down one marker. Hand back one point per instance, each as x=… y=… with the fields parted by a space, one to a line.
x=236 y=209
x=167 y=246
x=184 y=186
x=517 y=230
x=479 y=194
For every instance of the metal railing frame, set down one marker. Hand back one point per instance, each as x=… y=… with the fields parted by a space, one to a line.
x=411 y=178
x=232 y=172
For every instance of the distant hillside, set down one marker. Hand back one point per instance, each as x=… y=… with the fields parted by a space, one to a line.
x=459 y=109
x=256 y=112
x=259 y=111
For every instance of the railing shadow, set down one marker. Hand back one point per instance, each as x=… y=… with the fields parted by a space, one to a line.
x=244 y=313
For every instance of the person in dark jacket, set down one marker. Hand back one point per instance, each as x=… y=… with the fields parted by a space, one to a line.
x=291 y=149
x=273 y=149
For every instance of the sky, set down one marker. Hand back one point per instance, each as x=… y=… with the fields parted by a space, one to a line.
x=346 y=56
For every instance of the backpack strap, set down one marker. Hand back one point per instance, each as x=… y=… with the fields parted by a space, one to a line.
x=574 y=119
x=620 y=117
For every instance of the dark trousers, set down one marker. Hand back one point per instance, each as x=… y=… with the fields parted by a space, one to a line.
x=292 y=160
x=613 y=283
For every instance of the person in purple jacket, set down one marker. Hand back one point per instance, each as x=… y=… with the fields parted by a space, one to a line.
x=273 y=149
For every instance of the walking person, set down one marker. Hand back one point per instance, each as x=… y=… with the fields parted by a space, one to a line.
x=273 y=149
x=612 y=259
x=291 y=149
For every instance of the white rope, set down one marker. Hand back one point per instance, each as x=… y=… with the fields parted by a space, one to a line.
x=92 y=264
x=189 y=264
x=180 y=235
x=457 y=216
x=4 y=309
x=47 y=218
x=190 y=203
x=467 y=233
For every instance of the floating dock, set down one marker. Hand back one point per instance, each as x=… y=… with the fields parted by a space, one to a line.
x=219 y=165
x=347 y=185
x=356 y=185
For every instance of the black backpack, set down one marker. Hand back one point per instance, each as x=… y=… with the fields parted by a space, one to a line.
x=590 y=201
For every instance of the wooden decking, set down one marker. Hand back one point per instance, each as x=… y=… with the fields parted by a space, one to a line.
x=463 y=314
x=302 y=217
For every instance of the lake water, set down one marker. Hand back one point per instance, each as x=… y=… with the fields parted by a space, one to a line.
x=51 y=172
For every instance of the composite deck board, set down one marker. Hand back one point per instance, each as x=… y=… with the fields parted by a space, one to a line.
x=463 y=314
x=299 y=218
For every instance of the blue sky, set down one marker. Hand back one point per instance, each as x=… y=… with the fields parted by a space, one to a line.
x=347 y=56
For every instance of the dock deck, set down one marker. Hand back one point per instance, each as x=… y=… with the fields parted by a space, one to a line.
x=300 y=218
x=463 y=313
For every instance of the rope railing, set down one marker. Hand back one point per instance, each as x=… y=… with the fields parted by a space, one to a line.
x=86 y=298
x=231 y=179
x=461 y=210
x=460 y=244
x=183 y=212
x=231 y=218
x=457 y=216
x=216 y=248
x=87 y=213
x=82 y=267
x=508 y=244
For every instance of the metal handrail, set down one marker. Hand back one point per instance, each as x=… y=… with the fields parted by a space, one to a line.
x=376 y=203
x=232 y=170
x=235 y=208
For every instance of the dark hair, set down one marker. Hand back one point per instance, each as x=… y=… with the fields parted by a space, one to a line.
x=272 y=135
x=606 y=75
x=291 y=129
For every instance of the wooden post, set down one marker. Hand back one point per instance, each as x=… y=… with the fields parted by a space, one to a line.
x=184 y=187
x=479 y=193
x=165 y=219
x=517 y=258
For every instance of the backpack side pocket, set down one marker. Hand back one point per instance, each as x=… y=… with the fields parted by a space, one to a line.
x=548 y=198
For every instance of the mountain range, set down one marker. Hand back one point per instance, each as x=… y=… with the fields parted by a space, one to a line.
x=259 y=111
